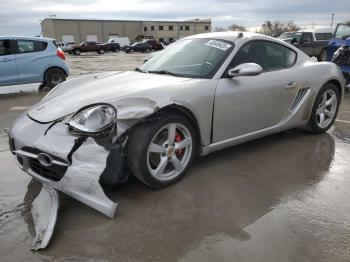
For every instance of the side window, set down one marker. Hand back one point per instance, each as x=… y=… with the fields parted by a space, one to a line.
x=28 y=46
x=319 y=36
x=306 y=38
x=5 y=47
x=270 y=56
x=328 y=36
x=289 y=57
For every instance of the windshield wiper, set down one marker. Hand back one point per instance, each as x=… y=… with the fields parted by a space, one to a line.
x=165 y=72
x=139 y=70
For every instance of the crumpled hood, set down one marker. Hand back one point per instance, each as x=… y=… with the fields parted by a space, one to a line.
x=74 y=94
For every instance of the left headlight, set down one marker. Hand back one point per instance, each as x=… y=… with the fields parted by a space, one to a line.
x=94 y=119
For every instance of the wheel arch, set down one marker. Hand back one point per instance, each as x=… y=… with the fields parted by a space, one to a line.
x=54 y=67
x=337 y=84
x=179 y=109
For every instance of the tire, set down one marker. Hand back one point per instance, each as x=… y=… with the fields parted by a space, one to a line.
x=144 y=162
x=53 y=77
x=77 y=52
x=322 y=56
x=330 y=111
x=147 y=50
x=101 y=51
x=113 y=49
x=131 y=51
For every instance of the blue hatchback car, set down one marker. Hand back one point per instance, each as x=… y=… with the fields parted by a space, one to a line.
x=31 y=60
x=339 y=49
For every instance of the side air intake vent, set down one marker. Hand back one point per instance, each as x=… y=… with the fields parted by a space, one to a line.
x=300 y=96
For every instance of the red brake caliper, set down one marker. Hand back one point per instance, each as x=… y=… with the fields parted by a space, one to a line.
x=178 y=138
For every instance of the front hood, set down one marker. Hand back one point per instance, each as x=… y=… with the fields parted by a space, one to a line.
x=74 y=94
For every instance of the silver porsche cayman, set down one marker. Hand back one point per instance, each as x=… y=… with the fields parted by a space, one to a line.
x=201 y=94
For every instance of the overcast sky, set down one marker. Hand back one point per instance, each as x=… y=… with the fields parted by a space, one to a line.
x=21 y=17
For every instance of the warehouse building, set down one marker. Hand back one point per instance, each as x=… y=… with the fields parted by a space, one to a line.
x=75 y=30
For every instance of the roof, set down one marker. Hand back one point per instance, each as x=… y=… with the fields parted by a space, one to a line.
x=229 y=35
x=26 y=37
x=109 y=20
x=319 y=30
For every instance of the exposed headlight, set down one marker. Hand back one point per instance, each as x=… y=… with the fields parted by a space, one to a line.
x=94 y=119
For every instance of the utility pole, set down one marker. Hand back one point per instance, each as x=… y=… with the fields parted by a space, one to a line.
x=332 y=20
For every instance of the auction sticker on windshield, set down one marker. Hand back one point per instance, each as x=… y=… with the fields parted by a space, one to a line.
x=218 y=44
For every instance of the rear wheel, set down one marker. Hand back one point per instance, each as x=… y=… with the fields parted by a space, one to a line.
x=325 y=109
x=53 y=77
x=77 y=52
x=101 y=51
x=159 y=153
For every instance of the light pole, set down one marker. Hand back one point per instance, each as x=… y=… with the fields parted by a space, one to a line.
x=332 y=20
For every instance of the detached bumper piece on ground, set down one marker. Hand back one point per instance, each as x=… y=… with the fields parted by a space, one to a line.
x=66 y=166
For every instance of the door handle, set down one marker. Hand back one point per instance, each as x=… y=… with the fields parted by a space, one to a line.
x=291 y=85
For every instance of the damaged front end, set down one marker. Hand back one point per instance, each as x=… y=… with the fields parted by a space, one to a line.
x=75 y=155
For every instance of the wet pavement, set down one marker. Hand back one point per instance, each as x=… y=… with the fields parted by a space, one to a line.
x=280 y=198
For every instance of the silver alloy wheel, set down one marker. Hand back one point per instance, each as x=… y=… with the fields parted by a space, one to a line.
x=169 y=152
x=326 y=109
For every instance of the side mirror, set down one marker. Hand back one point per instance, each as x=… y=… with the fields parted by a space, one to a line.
x=246 y=69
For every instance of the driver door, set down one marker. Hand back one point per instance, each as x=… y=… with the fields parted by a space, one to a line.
x=245 y=104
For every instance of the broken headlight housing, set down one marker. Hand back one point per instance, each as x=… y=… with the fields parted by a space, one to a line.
x=94 y=119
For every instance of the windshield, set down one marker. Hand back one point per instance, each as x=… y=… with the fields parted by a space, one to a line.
x=287 y=35
x=342 y=31
x=196 y=58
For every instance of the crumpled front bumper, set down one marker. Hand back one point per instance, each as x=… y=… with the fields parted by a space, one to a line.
x=73 y=165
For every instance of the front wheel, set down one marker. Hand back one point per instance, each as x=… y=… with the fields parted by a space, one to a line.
x=159 y=153
x=101 y=51
x=325 y=109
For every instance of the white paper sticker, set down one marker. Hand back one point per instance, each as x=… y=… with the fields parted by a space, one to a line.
x=218 y=44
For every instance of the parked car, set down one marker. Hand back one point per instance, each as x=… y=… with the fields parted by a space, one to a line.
x=122 y=41
x=153 y=43
x=138 y=47
x=110 y=46
x=339 y=49
x=88 y=47
x=152 y=122
x=65 y=46
x=31 y=60
x=311 y=42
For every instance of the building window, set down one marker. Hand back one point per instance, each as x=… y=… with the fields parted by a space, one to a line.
x=206 y=28
x=152 y=28
x=181 y=27
x=187 y=27
x=161 y=40
x=171 y=27
x=145 y=29
x=160 y=28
